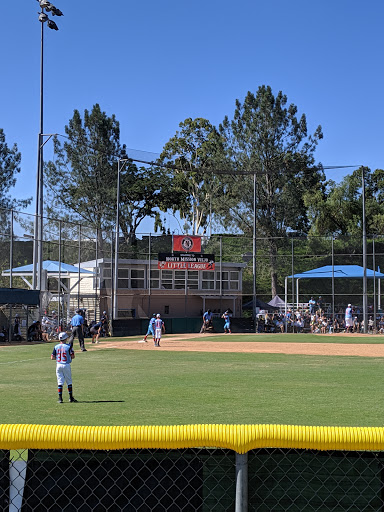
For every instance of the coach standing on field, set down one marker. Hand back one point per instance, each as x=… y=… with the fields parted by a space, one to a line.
x=77 y=330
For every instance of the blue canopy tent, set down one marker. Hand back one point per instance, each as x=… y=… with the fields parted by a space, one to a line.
x=331 y=272
x=52 y=268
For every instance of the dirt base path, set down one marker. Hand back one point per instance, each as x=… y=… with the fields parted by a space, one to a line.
x=207 y=343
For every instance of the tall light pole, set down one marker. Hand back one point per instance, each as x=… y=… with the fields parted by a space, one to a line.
x=254 y=249
x=117 y=229
x=365 y=302
x=38 y=225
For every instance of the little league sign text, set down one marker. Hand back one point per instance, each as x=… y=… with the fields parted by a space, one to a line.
x=186 y=261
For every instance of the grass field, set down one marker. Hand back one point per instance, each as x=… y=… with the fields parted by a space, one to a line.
x=133 y=387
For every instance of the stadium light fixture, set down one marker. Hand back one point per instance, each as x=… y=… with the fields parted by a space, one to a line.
x=45 y=5
x=55 y=11
x=52 y=25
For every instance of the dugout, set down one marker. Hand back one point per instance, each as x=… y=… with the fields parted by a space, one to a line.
x=17 y=301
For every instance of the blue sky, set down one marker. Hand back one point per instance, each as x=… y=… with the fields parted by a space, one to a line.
x=153 y=64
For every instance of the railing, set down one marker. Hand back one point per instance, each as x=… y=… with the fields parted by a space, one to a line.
x=191 y=468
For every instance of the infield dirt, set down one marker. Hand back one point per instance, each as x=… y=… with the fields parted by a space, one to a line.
x=207 y=343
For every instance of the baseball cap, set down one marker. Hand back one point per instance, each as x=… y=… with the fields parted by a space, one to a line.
x=349 y=305
x=63 y=336
x=158 y=315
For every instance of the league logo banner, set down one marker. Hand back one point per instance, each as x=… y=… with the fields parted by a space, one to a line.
x=186 y=243
x=186 y=261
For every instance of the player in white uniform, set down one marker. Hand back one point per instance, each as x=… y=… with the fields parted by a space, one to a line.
x=159 y=328
x=63 y=355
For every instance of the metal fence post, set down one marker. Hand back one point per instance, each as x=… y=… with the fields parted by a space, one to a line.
x=241 y=482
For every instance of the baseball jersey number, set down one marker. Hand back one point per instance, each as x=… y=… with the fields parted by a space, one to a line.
x=61 y=356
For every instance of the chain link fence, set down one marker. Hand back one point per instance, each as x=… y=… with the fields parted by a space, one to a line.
x=211 y=480
x=142 y=287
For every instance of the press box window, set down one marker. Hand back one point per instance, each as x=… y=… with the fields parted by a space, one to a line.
x=155 y=278
x=106 y=281
x=166 y=279
x=123 y=278
x=193 y=279
x=179 y=279
x=208 y=281
x=137 y=278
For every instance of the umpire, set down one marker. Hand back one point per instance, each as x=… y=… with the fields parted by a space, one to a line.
x=77 y=330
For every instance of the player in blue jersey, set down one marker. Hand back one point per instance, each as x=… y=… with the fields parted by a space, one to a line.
x=159 y=328
x=207 y=321
x=63 y=355
x=227 y=323
x=151 y=329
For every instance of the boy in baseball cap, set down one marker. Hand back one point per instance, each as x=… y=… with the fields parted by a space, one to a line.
x=63 y=355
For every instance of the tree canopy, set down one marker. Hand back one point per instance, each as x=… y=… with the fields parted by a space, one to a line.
x=338 y=210
x=82 y=181
x=10 y=160
x=196 y=150
x=265 y=138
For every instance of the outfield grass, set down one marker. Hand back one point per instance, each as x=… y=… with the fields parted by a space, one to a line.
x=123 y=387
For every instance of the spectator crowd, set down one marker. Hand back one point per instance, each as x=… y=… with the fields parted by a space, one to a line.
x=318 y=319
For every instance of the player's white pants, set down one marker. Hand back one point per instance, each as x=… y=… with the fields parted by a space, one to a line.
x=63 y=374
x=157 y=334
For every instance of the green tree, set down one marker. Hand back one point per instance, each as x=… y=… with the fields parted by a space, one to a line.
x=338 y=210
x=82 y=180
x=10 y=160
x=195 y=151
x=267 y=139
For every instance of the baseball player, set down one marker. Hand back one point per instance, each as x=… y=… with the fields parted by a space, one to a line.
x=207 y=321
x=63 y=355
x=150 y=329
x=227 y=323
x=348 y=318
x=159 y=328
x=96 y=330
x=105 y=318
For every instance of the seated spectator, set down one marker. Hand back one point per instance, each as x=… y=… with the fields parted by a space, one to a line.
x=370 y=324
x=336 y=324
x=279 y=324
x=356 y=324
x=267 y=322
x=323 y=325
x=16 y=329
x=381 y=325
x=312 y=323
x=299 y=324
x=34 y=332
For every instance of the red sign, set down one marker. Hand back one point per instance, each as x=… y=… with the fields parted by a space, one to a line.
x=186 y=243
x=186 y=261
